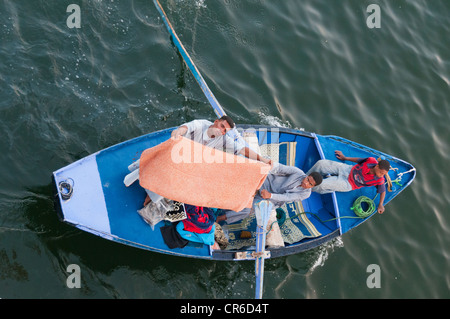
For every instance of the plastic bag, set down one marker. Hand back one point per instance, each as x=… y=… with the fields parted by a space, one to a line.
x=154 y=212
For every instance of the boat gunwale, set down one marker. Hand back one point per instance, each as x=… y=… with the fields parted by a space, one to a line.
x=301 y=246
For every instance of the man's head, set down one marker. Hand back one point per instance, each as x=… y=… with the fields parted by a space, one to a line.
x=382 y=168
x=228 y=119
x=224 y=124
x=313 y=179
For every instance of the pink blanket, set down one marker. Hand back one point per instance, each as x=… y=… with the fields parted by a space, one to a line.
x=183 y=170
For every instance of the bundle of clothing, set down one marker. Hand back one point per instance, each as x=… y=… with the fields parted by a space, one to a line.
x=197 y=227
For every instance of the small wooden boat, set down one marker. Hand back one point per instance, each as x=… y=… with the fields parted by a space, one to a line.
x=91 y=196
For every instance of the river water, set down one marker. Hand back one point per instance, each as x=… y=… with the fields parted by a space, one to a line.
x=68 y=92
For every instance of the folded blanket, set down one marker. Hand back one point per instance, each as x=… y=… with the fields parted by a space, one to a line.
x=185 y=171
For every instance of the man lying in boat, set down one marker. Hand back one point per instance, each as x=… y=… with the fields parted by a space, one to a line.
x=283 y=184
x=345 y=177
x=214 y=135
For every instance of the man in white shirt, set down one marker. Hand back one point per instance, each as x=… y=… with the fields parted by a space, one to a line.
x=214 y=135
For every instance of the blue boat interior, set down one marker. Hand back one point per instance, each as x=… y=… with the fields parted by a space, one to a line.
x=330 y=215
x=401 y=175
x=124 y=202
x=318 y=209
x=323 y=217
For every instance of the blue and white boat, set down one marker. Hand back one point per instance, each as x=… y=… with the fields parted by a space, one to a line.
x=97 y=200
x=91 y=194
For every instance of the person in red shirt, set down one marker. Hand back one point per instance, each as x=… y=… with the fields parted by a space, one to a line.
x=343 y=177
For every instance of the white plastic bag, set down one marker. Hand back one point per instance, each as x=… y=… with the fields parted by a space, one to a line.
x=154 y=212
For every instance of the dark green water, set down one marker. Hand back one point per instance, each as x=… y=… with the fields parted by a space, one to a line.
x=66 y=93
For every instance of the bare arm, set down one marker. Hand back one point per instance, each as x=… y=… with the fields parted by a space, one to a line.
x=380 y=205
x=179 y=131
x=247 y=152
x=342 y=157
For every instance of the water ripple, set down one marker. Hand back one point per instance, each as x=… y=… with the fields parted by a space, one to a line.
x=67 y=93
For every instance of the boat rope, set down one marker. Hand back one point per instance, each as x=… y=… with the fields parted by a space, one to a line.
x=399 y=177
x=389 y=181
x=357 y=208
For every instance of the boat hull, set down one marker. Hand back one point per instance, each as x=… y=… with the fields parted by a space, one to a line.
x=101 y=204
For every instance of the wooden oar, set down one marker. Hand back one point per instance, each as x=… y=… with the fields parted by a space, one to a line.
x=234 y=134
x=264 y=206
x=190 y=64
x=262 y=211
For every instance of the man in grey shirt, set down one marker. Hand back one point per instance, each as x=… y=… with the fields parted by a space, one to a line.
x=283 y=184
